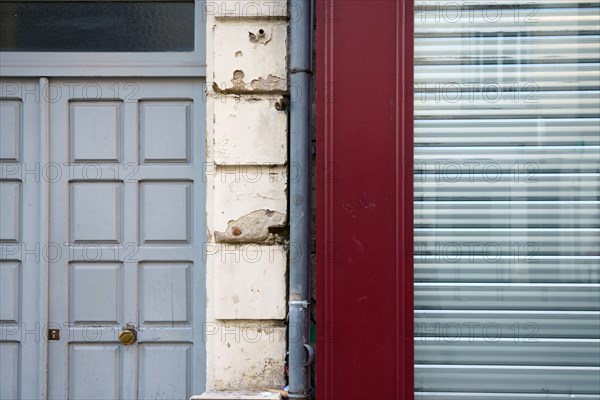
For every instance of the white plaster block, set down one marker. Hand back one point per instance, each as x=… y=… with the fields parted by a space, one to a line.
x=249 y=281
x=242 y=189
x=247 y=8
x=246 y=60
x=248 y=355
x=249 y=131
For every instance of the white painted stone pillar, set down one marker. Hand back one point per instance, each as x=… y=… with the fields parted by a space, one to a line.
x=246 y=177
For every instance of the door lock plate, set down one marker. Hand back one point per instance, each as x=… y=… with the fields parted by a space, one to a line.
x=53 y=334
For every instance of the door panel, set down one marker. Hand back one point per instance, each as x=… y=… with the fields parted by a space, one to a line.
x=94 y=371
x=165 y=371
x=126 y=209
x=22 y=245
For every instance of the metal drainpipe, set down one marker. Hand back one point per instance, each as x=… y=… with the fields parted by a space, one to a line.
x=299 y=350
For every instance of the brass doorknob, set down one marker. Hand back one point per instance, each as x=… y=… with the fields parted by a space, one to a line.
x=128 y=335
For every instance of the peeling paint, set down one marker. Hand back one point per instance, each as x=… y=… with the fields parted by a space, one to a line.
x=270 y=368
x=271 y=83
x=238 y=80
x=260 y=226
x=247 y=300
x=261 y=36
x=241 y=46
x=261 y=86
x=255 y=360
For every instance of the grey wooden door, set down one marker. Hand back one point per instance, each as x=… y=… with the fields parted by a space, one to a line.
x=21 y=241
x=126 y=212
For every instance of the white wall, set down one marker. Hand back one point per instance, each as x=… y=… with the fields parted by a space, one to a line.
x=246 y=195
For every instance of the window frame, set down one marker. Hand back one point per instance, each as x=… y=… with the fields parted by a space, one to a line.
x=114 y=64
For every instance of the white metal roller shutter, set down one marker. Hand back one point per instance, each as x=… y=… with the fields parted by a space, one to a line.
x=507 y=199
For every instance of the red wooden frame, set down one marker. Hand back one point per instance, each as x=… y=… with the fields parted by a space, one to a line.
x=364 y=200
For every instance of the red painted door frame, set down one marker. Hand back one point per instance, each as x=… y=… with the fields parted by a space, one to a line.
x=364 y=200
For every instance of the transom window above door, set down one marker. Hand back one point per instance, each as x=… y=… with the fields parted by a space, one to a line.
x=97 y=38
x=87 y=26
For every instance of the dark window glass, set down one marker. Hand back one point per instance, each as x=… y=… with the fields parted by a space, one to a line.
x=97 y=26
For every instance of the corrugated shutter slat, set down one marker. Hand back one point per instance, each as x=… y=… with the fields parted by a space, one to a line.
x=507 y=200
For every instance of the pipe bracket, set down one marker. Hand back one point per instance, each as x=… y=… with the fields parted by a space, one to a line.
x=299 y=303
x=311 y=354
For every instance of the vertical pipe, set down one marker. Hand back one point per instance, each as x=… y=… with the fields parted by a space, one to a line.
x=300 y=211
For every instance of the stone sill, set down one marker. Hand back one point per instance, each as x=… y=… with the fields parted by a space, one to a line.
x=237 y=396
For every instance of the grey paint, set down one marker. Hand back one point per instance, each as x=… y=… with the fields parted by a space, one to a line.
x=140 y=216
x=301 y=29
x=125 y=233
x=21 y=233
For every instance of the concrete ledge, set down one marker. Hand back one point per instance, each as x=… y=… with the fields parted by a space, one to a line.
x=237 y=396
